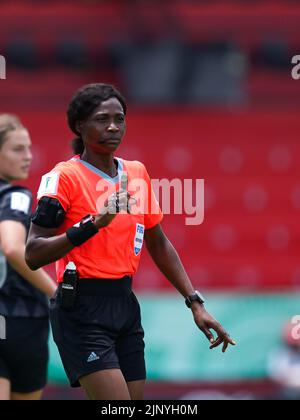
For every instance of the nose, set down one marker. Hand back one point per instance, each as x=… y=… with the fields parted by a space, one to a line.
x=113 y=127
x=28 y=155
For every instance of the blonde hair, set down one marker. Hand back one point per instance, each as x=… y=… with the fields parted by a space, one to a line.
x=8 y=123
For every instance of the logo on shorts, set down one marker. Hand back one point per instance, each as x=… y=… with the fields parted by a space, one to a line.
x=92 y=357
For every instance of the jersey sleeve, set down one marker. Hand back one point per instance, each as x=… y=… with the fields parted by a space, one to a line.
x=55 y=184
x=16 y=206
x=153 y=214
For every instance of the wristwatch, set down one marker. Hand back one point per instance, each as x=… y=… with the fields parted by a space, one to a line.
x=87 y=222
x=195 y=297
x=82 y=231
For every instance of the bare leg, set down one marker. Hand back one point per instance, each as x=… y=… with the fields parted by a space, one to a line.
x=136 y=389
x=4 y=389
x=30 y=396
x=106 y=384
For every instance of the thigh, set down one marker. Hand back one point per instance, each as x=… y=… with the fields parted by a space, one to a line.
x=136 y=389
x=4 y=389
x=106 y=384
x=30 y=396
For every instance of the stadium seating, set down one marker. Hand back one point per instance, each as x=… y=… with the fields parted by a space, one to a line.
x=109 y=35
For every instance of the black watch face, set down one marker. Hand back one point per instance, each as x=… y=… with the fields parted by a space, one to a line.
x=188 y=302
x=199 y=296
x=196 y=297
x=87 y=219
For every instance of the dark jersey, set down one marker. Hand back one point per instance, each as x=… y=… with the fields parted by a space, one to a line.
x=18 y=298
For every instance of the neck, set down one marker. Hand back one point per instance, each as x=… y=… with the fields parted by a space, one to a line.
x=4 y=178
x=103 y=162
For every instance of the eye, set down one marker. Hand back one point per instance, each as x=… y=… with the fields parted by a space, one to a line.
x=102 y=118
x=120 y=118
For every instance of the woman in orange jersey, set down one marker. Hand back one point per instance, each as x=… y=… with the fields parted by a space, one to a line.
x=85 y=220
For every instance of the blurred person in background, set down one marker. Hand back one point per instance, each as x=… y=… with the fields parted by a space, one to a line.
x=284 y=365
x=99 y=336
x=24 y=307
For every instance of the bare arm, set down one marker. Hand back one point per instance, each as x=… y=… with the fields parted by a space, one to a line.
x=44 y=247
x=167 y=260
x=12 y=239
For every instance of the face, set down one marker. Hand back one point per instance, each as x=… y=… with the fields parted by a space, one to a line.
x=103 y=131
x=15 y=155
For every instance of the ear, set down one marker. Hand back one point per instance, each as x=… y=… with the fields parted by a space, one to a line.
x=78 y=126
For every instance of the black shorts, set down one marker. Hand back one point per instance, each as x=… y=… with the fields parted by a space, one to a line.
x=102 y=331
x=24 y=354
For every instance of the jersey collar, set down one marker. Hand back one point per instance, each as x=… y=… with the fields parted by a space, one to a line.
x=112 y=180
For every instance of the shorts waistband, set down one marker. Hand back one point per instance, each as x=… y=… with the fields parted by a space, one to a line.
x=104 y=287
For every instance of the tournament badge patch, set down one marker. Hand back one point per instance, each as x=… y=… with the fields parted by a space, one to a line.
x=49 y=184
x=138 y=239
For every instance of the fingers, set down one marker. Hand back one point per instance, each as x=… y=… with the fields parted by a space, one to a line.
x=112 y=205
x=216 y=343
x=118 y=201
x=206 y=323
x=208 y=334
x=223 y=337
x=225 y=345
x=226 y=340
x=123 y=189
x=123 y=181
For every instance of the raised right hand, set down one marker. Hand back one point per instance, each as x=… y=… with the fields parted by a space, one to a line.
x=113 y=205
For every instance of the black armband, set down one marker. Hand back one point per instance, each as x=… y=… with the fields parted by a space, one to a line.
x=49 y=213
x=82 y=231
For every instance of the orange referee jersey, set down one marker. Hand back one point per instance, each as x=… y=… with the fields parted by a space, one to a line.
x=82 y=189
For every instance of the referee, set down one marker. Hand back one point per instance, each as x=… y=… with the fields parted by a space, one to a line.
x=23 y=302
x=100 y=338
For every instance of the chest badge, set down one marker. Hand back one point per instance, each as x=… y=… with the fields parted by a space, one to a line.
x=139 y=238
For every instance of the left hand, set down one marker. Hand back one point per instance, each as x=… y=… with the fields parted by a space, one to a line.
x=206 y=322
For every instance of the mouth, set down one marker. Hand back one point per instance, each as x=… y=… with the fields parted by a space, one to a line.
x=25 y=168
x=110 y=140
